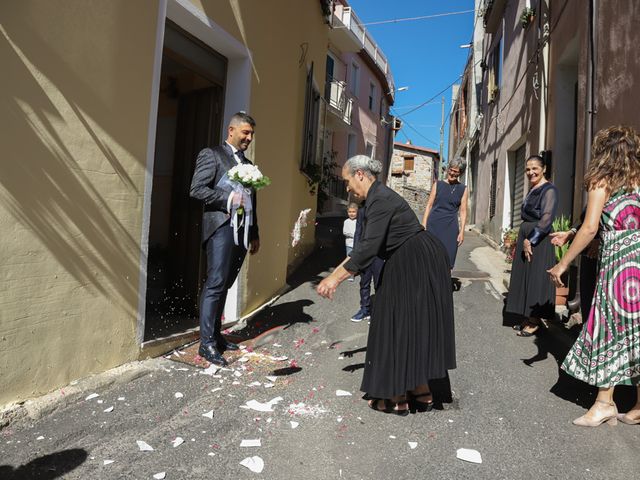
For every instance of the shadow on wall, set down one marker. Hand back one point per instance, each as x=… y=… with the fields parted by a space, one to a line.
x=59 y=143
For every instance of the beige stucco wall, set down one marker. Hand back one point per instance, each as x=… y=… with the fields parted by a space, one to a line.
x=75 y=101
x=282 y=49
x=76 y=93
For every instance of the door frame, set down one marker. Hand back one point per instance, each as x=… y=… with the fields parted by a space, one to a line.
x=237 y=95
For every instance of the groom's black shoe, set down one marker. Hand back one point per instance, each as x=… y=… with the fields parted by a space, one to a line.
x=211 y=354
x=227 y=345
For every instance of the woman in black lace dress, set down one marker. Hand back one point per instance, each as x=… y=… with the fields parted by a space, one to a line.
x=531 y=295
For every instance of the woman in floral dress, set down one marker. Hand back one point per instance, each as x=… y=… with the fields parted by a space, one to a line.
x=607 y=352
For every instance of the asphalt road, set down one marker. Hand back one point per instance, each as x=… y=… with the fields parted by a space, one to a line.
x=509 y=403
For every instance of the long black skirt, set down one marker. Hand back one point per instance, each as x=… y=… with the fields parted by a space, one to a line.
x=531 y=293
x=411 y=337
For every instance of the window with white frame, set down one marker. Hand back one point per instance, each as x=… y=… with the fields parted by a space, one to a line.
x=372 y=96
x=369 y=149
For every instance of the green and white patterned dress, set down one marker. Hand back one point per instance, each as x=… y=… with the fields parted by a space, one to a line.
x=607 y=352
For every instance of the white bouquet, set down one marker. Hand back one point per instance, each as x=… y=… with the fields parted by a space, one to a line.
x=249 y=176
x=242 y=178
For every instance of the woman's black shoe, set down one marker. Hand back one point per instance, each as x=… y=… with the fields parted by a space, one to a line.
x=388 y=407
x=420 y=405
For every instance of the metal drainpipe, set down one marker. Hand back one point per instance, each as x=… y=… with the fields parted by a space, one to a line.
x=593 y=36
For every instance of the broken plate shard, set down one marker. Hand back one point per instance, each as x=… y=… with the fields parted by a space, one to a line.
x=413 y=445
x=107 y=462
x=262 y=407
x=208 y=414
x=255 y=464
x=469 y=455
x=271 y=378
x=108 y=410
x=160 y=476
x=342 y=393
x=251 y=443
x=210 y=370
x=178 y=395
x=144 y=446
x=177 y=442
x=92 y=396
x=294 y=424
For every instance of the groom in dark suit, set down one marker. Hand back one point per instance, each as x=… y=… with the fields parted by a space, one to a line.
x=224 y=257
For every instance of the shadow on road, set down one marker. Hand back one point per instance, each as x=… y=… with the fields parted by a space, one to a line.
x=47 y=467
x=557 y=343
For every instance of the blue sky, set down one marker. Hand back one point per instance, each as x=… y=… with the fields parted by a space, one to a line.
x=424 y=55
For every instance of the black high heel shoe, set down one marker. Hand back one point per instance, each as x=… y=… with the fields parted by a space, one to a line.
x=420 y=405
x=388 y=407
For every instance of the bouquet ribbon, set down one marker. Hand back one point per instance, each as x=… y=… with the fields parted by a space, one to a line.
x=241 y=214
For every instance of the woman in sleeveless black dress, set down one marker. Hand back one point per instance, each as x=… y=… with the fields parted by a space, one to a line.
x=411 y=338
x=447 y=198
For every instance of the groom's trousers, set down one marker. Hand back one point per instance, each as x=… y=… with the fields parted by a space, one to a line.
x=224 y=260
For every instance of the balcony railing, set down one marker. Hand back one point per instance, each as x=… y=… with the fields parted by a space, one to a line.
x=338 y=97
x=345 y=17
x=337 y=187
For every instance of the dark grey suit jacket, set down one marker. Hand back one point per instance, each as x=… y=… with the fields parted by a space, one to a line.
x=211 y=165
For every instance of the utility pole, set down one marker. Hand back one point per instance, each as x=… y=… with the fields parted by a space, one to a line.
x=442 y=135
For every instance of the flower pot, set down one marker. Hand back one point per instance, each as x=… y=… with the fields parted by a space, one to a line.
x=562 y=293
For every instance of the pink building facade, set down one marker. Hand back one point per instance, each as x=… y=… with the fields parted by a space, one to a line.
x=359 y=90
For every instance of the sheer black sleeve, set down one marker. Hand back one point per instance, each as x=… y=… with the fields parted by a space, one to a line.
x=548 y=207
x=377 y=220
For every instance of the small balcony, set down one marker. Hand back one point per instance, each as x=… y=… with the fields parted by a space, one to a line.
x=339 y=101
x=347 y=31
x=349 y=35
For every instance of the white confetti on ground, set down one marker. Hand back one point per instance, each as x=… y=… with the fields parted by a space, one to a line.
x=210 y=370
x=251 y=443
x=294 y=424
x=144 y=446
x=342 y=393
x=280 y=358
x=255 y=464
x=469 y=455
x=40 y=438
x=271 y=378
x=160 y=476
x=92 y=396
x=262 y=407
x=177 y=442
x=108 y=410
x=413 y=445
x=301 y=409
x=208 y=414
x=107 y=462
x=178 y=395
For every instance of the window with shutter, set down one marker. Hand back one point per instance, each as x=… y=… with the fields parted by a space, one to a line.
x=494 y=189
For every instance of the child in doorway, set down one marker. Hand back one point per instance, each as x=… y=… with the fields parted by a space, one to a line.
x=349 y=229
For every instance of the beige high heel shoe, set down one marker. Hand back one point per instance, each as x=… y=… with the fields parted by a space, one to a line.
x=624 y=418
x=609 y=419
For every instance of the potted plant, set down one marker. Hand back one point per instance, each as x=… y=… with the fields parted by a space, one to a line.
x=527 y=16
x=562 y=224
x=509 y=241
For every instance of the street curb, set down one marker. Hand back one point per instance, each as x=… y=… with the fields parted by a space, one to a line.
x=36 y=408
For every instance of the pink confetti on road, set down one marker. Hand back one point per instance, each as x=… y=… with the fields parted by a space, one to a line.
x=315 y=330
